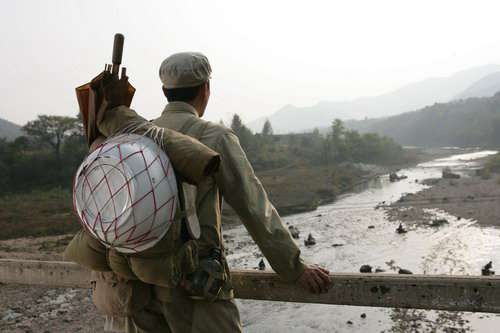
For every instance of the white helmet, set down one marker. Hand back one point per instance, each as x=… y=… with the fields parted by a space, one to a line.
x=125 y=193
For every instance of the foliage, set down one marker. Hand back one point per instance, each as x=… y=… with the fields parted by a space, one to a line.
x=267 y=151
x=244 y=134
x=465 y=123
x=492 y=165
x=267 y=129
x=52 y=130
x=46 y=158
x=54 y=147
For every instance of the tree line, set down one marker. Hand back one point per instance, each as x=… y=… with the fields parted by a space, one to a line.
x=338 y=145
x=52 y=148
x=45 y=157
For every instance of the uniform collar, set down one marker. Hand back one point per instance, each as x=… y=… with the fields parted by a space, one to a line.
x=180 y=107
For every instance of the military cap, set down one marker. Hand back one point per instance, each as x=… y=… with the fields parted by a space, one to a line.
x=185 y=69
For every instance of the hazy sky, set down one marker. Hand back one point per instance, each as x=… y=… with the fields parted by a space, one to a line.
x=264 y=54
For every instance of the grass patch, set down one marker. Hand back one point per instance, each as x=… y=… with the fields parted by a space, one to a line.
x=491 y=166
x=38 y=213
x=301 y=188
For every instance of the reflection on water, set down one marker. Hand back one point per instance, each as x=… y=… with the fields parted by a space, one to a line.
x=373 y=183
x=457 y=248
x=468 y=160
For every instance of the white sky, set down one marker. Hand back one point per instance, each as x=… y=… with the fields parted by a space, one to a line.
x=264 y=54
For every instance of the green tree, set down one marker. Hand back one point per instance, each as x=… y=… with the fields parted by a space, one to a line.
x=236 y=123
x=21 y=144
x=246 y=137
x=337 y=136
x=267 y=129
x=338 y=129
x=52 y=130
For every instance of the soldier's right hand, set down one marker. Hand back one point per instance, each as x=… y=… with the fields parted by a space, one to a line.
x=315 y=279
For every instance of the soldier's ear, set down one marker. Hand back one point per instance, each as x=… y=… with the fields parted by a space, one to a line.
x=207 y=88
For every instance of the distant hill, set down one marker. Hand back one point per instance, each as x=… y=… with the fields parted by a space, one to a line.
x=485 y=87
x=9 y=130
x=464 y=123
x=407 y=98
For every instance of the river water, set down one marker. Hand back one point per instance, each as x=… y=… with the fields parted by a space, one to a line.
x=460 y=247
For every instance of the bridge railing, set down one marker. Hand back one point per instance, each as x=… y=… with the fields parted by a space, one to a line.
x=437 y=292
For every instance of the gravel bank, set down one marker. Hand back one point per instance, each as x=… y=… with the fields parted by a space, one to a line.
x=472 y=198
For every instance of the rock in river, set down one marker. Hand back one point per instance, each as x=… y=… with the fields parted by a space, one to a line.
x=447 y=174
x=310 y=241
x=438 y=222
x=486 y=270
x=394 y=177
x=401 y=229
x=365 y=269
x=404 y=271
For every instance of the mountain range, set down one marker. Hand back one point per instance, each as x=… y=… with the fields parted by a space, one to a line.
x=475 y=82
x=485 y=87
x=468 y=122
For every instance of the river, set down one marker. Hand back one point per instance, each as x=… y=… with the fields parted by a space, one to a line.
x=461 y=247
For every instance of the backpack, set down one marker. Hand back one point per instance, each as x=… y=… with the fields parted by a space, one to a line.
x=172 y=256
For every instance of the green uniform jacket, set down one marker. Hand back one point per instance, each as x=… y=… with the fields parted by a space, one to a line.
x=235 y=181
x=241 y=189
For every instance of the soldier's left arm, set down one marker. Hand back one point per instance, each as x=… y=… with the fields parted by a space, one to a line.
x=244 y=192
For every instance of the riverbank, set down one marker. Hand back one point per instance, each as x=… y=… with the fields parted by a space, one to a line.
x=303 y=188
x=475 y=196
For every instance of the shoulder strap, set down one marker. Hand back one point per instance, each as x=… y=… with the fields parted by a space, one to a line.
x=187 y=193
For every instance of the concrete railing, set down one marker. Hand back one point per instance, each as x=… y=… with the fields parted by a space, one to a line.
x=438 y=292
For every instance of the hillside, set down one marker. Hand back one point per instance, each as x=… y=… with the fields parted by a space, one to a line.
x=485 y=87
x=9 y=130
x=411 y=97
x=470 y=122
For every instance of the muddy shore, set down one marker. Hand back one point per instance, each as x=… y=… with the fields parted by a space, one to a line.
x=34 y=309
x=470 y=197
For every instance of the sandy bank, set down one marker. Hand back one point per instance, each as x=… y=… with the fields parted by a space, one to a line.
x=472 y=198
